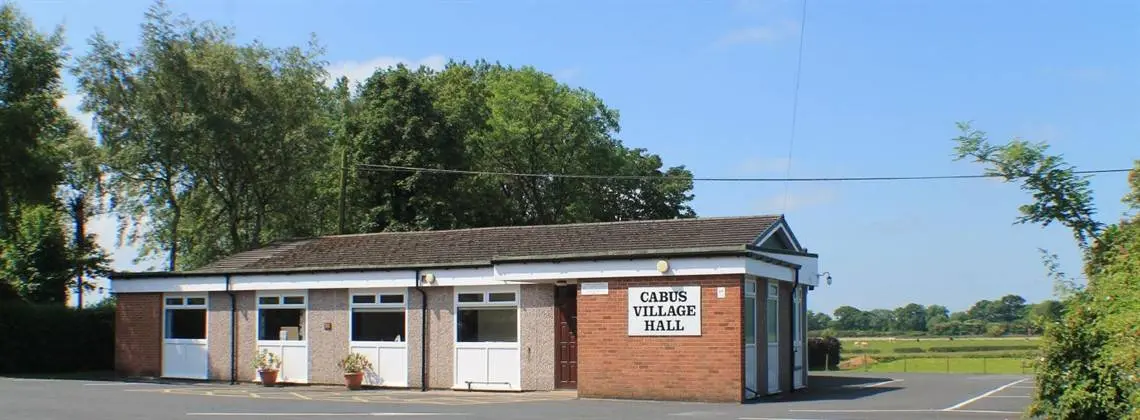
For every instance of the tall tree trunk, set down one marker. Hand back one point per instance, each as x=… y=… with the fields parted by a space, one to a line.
x=172 y=201
x=79 y=217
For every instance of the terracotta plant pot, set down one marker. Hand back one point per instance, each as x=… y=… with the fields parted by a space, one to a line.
x=354 y=380
x=268 y=377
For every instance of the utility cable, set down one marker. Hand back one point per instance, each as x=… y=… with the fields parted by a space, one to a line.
x=795 y=99
x=395 y=168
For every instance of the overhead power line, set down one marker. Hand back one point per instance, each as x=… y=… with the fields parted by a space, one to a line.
x=796 y=97
x=394 y=168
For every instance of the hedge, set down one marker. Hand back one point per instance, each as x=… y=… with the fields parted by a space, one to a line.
x=55 y=339
x=959 y=349
x=823 y=351
x=910 y=350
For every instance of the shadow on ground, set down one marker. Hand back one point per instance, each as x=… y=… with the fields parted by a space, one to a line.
x=834 y=388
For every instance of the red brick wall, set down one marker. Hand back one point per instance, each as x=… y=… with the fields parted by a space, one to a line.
x=611 y=364
x=138 y=334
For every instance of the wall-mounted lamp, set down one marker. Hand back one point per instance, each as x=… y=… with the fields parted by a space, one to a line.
x=662 y=266
x=429 y=278
x=825 y=273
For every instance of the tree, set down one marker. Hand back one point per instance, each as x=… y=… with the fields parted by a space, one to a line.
x=31 y=121
x=850 y=318
x=880 y=319
x=818 y=321
x=1010 y=308
x=911 y=317
x=937 y=314
x=1089 y=358
x=34 y=260
x=80 y=194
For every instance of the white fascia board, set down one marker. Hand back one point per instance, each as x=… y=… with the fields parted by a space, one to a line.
x=340 y=280
x=768 y=270
x=170 y=284
x=567 y=270
x=480 y=276
x=809 y=266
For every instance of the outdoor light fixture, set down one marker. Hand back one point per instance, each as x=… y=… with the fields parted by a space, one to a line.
x=662 y=266
x=825 y=273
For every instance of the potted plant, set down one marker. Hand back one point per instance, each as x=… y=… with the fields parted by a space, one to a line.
x=354 y=365
x=267 y=365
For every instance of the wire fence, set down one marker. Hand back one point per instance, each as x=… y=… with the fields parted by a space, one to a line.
x=935 y=364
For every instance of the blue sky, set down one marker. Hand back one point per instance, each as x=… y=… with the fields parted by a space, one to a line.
x=709 y=84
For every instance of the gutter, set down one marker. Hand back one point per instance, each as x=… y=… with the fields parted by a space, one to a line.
x=423 y=333
x=233 y=332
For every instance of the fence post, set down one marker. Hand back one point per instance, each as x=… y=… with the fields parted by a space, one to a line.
x=984 y=370
x=947 y=364
x=826 y=362
x=904 y=365
x=866 y=366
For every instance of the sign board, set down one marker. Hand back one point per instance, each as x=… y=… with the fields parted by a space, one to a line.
x=598 y=288
x=665 y=311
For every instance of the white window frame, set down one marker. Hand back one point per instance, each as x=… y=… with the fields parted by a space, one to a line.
x=184 y=297
x=281 y=305
x=773 y=296
x=750 y=290
x=378 y=307
x=486 y=303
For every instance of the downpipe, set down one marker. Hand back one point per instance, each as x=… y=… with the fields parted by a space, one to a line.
x=233 y=332
x=423 y=333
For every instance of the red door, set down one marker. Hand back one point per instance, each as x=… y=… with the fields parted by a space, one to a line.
x=566 y=316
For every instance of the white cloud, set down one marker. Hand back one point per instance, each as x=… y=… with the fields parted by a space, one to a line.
x=71 y=102
x=797 y=200
x=765 y=165
x=359 y=71
x=763 y=34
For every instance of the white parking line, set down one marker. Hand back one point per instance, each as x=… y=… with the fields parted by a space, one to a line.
x=990 y=392
x=880 y=383
x=325 y=414
x=909 y=411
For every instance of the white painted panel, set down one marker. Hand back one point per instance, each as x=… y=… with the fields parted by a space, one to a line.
x=294 y=360
x=809 y=266
x=342 y=280
x=618 y=268
x=768 y=270
x=187 y=360
x=750 y=379
x=389 y=363
x=470 y=365
x=170 y=284
x=503 y=365
x=773 y=368
x=664 y=311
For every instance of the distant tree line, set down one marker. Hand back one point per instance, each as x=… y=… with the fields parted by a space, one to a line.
x=1009 y=314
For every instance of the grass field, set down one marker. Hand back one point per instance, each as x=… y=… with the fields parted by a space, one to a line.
x=961 y=355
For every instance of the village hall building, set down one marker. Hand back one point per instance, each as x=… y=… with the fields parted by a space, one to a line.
x=704 y=309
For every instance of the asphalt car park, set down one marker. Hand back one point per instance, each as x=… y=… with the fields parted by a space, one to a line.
x=830 y=397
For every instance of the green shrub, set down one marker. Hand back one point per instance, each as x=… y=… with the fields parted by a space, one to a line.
x=54 y=339
x=964 y=349
x=866 y=351
x=910 y=350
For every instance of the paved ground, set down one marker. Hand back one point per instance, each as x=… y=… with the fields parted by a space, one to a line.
x=833 y=397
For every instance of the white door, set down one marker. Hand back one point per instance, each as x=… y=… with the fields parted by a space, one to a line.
x=487 y=354
x=184 y=344
x=281 y=319
x=772 y=328
x=750 y=333
x=798 y=342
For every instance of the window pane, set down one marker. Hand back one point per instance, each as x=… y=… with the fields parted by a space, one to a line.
x=749 y=320
x=470 y=297
x=488 y=324
x=268 y=300
x=173 y=301
x=186 y=323
x=378 y=326
x=271 y=322
x=363 y=299
x=196 y=301
x=772 y=317
x=503 y=297
x=391 y=298
x=294 y=300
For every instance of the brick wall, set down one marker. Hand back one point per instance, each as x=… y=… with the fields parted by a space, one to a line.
x=138 y=334
x=611 y=364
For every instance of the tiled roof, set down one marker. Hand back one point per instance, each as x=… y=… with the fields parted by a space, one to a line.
x=483 y=245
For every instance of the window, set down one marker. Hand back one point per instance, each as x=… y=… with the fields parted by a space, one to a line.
x=377 y=325
x=281 y=317
x=378 y=317
x=488 y=325
x=487 y=317
x=185 y=318
x=750 y=320
x=772 y=315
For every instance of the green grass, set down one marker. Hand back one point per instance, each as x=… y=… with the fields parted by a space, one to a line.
x=941 y=355
x=953 y=365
